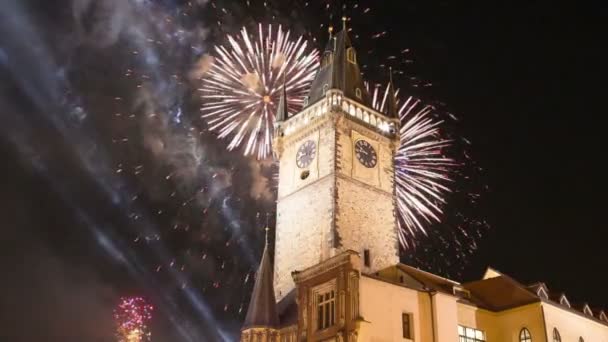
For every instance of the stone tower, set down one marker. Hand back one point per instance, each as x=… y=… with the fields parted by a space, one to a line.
x=336 y=172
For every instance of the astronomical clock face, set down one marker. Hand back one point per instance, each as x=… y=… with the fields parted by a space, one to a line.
x=366 y=154
x=306 y=154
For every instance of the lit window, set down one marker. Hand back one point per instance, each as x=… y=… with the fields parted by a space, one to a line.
x=470 y=335
x=358 y=93
x=524 y=335
x=325 y=300
x=350 y=55
x=366 y=258
x=556 y=336
x=407 y=326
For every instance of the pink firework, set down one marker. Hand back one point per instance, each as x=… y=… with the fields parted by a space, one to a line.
x=132 y=317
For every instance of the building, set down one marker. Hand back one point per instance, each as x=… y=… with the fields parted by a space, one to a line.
x=336 y=273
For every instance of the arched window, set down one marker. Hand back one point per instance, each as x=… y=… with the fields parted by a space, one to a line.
x=580 y=339
x=350 y=55
x=358 y=93
x=556 y=336
x=524 y=335
x=325 y=88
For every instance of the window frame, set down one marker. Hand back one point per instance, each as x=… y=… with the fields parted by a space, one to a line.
x=523 y=337
x=351 y=55
x=358 y=93
x=556 y=335
x=409 y=335
x=476 y=335
x=320 y=306
x=367 y=259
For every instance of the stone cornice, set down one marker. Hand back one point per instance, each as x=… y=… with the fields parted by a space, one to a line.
x=348 y=257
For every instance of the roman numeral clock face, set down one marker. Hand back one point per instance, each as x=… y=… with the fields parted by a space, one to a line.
x=366 y=154
x=306 y=154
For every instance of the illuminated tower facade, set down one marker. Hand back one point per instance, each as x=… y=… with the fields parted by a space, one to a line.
x=336 y=172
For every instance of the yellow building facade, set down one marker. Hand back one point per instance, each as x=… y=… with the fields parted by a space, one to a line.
x=336 y=274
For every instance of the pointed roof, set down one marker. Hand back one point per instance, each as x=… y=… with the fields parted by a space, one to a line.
x=282 y=107
x=262 y=311
x=391 y=106
x=339 y=70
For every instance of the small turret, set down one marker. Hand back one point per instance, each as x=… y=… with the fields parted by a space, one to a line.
x=262 y=320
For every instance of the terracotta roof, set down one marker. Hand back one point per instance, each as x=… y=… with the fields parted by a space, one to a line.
x=262 y=311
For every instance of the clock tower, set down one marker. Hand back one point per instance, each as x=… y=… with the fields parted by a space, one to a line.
x=336 y=172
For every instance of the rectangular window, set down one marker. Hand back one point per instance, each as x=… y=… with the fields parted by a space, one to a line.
x=326 y=309
x=466 y=334
x=366 y=258
x=407 y=327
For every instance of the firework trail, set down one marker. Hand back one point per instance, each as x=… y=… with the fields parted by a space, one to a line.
x=422 y=170
x=132 y=316
x=241 y=90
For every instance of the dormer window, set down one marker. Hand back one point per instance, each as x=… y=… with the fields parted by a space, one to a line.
x=358 y=93
x=587 y=310
x=351 y=56
x=542 y=293
x=564 y=301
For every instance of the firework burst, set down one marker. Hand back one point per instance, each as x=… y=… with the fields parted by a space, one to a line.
x=241 y=90
x=422 y=169
x=132 y=316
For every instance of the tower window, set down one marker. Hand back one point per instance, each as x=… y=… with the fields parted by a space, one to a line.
x=350 y=55
x=406 y=325
x=326 y=308
x=366 y=258
x=525 y=336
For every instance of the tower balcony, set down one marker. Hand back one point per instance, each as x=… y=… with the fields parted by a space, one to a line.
x=336 y=102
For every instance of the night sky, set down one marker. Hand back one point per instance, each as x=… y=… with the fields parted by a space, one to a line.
x=100 y=201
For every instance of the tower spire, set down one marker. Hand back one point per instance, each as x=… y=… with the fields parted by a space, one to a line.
x=262 y=311
x=392 y=110
x=339 y=70
x=282 y=110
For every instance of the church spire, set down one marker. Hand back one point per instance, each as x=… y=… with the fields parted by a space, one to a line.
x=262 y=311
x=339 y=70
x=391 y=109
x=282 y=107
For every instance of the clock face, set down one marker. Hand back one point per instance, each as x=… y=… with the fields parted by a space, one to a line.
x=306 y=154
x=366 y=154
